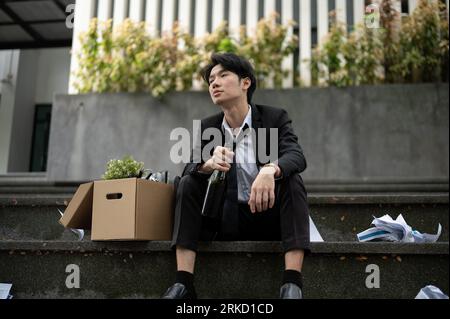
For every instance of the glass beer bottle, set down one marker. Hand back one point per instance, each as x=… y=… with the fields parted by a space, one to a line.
x=215 y=194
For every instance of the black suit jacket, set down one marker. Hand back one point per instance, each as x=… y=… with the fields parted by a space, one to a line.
x=290 y=155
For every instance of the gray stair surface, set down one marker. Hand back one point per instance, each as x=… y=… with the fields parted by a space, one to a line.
x=338 y=217
x=37 y=183
x=37 y=269
x=35 y=249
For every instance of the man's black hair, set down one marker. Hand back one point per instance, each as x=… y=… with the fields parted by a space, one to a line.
x=233 y=63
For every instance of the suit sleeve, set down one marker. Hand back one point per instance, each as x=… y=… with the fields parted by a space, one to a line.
x=196 y=159
x=291 y=159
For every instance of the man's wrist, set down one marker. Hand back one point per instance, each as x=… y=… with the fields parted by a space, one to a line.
x=200 y=169
x=272 y=168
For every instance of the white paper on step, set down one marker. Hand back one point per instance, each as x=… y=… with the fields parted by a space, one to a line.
x=397 y=230
x=4 y=291
x=431 y=292
x=78 y=232
x=314 y=235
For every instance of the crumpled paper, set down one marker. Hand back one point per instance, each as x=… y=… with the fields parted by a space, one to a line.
x=431 y=292
x=387 y=229
x=4 y=291
x=78 y=232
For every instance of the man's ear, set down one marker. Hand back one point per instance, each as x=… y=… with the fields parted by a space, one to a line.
x=246 y=83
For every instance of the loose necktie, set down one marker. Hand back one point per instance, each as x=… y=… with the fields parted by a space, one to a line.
x=230 y=217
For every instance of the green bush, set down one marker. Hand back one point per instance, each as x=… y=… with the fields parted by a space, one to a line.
x=267 y=48
x=348 y=59
x=423 y=45
x=412 y=50
x=124 y=168
x=128 y=59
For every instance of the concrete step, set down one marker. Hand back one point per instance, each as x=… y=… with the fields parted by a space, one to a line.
x=338 y=217
x=24 y=175
x=40 y=185
x=37 y=269
x=377 y=185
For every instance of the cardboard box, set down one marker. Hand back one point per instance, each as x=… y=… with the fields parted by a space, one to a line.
x=122 y=209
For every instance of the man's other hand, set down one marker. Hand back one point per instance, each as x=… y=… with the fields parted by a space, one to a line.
x=262 y=194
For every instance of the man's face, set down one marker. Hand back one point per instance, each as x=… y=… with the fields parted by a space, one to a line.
x=225 y=86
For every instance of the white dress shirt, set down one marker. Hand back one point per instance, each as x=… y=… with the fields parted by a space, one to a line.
x=246 y=167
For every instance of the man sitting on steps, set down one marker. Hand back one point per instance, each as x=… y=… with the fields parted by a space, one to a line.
x=270 y=201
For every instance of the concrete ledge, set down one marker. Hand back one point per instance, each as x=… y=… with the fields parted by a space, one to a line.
x=371 y=198
x=371 y=130
x=439 y=248
x=338 y=218
x=350 y=198
x=34 y=200
x=9 y=184
x=24 y=175
x=38 y=189
x=223 y=270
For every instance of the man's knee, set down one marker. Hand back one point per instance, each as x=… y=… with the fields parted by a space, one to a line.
x=190 y=186
x=294 y=183
x=187 y=180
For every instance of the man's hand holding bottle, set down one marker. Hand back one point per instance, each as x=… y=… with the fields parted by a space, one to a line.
x=221 y=159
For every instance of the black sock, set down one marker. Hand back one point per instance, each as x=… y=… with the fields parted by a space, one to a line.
x=185 y=278
x=293 y=276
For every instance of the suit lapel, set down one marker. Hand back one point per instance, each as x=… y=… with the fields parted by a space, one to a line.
x=256 y=124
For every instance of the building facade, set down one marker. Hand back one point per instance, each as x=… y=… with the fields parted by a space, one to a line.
x=32 y=72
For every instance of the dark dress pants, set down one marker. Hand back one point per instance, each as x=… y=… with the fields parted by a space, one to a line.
x=287 y=221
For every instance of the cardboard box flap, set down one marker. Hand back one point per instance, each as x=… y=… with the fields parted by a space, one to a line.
x=79 y=212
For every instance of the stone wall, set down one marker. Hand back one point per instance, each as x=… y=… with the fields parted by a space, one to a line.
x=366 y=132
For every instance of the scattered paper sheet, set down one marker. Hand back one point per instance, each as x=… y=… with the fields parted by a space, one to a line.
x=4 y=291
x=431 y=292
x=398 y=230
x=314 y=235
x=78 y=232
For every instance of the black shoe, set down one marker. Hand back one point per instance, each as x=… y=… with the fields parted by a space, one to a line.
x=179 y=291
x=290 y=291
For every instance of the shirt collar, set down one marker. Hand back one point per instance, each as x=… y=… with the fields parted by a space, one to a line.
x=247 y=121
